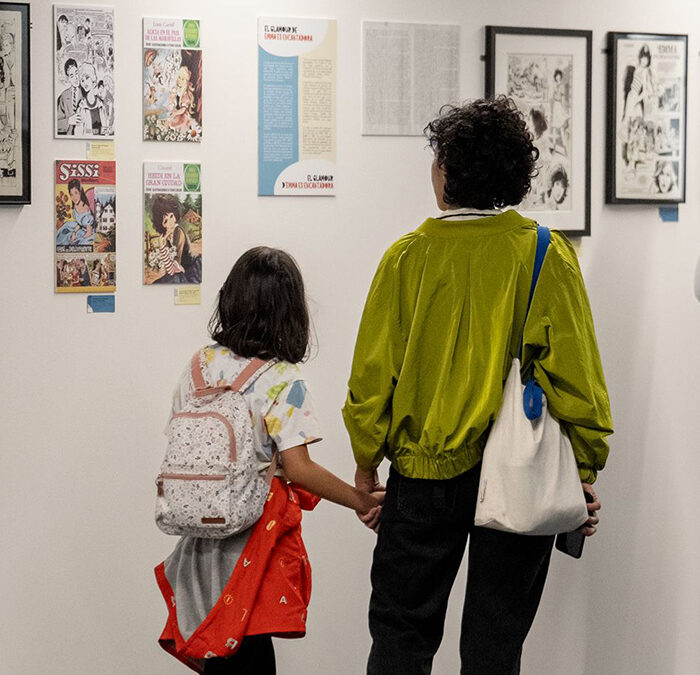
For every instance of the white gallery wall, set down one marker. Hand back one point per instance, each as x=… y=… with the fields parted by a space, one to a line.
x=83 y=398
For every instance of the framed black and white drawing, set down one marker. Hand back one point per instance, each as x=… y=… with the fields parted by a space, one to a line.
x=15 y=171
x=647 y=85
x=547 y=72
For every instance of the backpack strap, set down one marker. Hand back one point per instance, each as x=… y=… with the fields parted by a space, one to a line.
x=272 y=469
x=250 y=373
x=247 y=376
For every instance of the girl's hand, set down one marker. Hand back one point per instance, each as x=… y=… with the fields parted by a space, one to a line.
x=371 y=510
x=589 y=528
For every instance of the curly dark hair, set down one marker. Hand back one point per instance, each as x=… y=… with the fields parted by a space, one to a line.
x=261 y=309
x=486 y=152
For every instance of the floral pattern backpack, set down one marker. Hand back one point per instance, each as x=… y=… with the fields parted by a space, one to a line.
x=209 y=485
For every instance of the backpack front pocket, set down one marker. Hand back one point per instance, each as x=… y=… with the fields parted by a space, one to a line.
x=192 y=504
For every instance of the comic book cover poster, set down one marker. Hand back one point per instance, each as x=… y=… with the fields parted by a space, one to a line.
x=85 y=226
x=172 y=223
x=84 y=71
x=650 y=124
x=10 y=103
x=541 y=86
x=172 y=80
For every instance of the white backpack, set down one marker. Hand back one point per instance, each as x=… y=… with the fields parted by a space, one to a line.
x=209 y=485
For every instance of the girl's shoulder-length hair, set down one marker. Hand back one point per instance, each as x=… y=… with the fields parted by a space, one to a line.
x=261 y=309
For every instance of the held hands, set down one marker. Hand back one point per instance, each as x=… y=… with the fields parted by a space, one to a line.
x=589 y=527
x=372 y=494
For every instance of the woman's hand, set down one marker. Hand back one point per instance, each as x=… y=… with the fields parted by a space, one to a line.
x=589 y=528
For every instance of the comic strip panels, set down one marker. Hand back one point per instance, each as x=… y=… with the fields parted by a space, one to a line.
x=85 y=228
x=84 y=71
x=172 y=80
x=541 y=86
x=646 y=118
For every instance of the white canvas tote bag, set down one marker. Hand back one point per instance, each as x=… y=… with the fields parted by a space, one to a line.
x=529 y=479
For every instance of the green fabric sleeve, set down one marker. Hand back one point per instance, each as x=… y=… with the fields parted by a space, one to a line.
x=376 y=365
x=560 y=344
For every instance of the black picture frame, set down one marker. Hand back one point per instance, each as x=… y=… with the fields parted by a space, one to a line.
x=580 y=224
x=621 y=158
x=23 y=192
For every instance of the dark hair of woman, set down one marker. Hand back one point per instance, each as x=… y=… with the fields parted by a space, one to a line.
x=645 y=52
x=162 y=205
x=539 y=122
x=486 y=152
x=74 y=184
x=261 y=309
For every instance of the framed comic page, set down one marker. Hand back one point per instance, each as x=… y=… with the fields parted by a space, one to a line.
x=15 y=168
x=647 y=105
x=547 y=72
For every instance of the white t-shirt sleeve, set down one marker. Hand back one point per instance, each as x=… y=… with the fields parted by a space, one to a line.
x=291 y=419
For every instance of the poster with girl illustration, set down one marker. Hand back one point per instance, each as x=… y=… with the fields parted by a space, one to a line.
x=83 y=71
x=172 y=223
x=85 y=226
x=172 y=80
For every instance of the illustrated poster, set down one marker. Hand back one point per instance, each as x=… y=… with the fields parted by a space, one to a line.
x=85 y=226
x=172 y=80
x=297 y=67
x=172 y=223
x=541 y=86
x=650 y=125
x=84 y=71
x=10 y=104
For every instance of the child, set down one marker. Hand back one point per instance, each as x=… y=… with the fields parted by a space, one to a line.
x=256 y=583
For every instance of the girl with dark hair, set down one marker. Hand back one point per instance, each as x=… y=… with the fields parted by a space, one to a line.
x=175 y=257
x=80 y=230
x=638 y=86
x=261 y=322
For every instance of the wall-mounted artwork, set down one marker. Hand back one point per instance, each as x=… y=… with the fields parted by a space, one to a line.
x=84 y=71
x=409 y=71
x=297 y=71
x=85 y=226
x=172 y=80
x=172 y=226
x=15 y=166
x=547 y=72
x=646 y=147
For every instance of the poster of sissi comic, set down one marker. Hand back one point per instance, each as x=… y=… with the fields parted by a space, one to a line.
x=85 y=226
x=172 y=223
x=172 y=80
x=84 y=71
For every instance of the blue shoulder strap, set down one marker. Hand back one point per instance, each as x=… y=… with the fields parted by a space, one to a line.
x=543 y=239
x=532 y=396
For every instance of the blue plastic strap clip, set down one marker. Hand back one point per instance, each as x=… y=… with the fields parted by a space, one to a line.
x=532 y=400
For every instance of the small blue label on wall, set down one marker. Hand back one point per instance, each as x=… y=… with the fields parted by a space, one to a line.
x=100 y=304
x=668 y=214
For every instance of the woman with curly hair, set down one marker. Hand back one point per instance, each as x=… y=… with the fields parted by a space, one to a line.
x=441 y=325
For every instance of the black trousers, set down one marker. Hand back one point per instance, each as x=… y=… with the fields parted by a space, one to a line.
x=424 y=531
x=255 y=656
